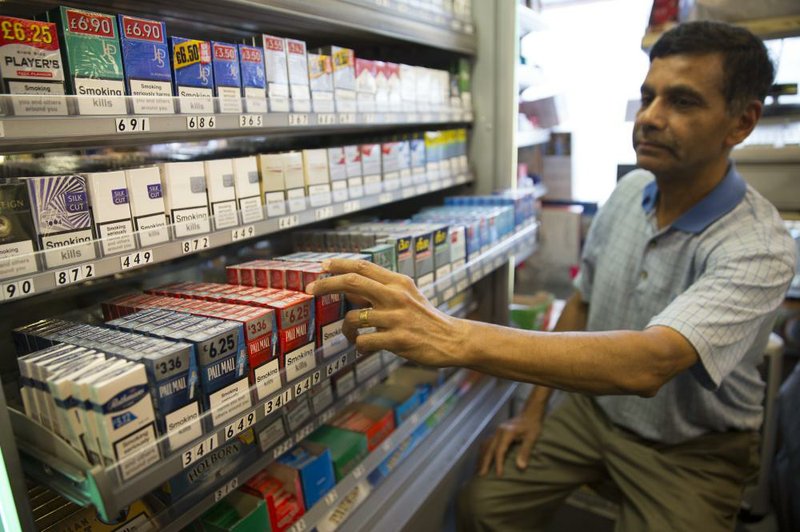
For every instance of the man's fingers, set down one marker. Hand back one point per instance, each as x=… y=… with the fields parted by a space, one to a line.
x=488 y=454
x=371 y=342
x=524 y=451
x=504 y=441
x=382 y=319
x=361 y=267
x=351 y=284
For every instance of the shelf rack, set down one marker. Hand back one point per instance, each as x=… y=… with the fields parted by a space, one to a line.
x=766 y=28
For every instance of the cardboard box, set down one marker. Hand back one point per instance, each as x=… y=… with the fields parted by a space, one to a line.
x=237 y=512
x=254 y=78
x=299 y=90
x=227 y=78
x=108 y=198
x=221 y=192
x=277 y=73
x=63 y=220
x=185 y=198
x=18 y=232
x=314 y=465
x=147 y=205
x=273 y=183
x=344 y=77
x=29 y=59
x=145 y=57
x=320 y=74
x=93 y=60
x=248 y=190
x=193 y=76
x=347 y=448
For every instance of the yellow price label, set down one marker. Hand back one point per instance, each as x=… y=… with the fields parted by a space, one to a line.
x=186 y=53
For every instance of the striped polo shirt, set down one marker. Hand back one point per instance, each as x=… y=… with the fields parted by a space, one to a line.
x=716 y=275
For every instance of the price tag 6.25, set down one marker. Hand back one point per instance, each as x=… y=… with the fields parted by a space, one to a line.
x=134 y=260
x=201 y=122
x=198 y=451
x=131 y=125
x=240 y=425
x=75 y=275
x=241 y=233
x=195 y=244
x=16 y=289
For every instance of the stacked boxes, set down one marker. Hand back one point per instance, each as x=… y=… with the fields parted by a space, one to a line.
x=273 y=183
x=31 y=68
x=145 y=56
x=282 y=492
x=337 y=170
x=366 y=72
x=317 y=177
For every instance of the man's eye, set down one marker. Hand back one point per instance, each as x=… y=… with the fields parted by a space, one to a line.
x=684 y=102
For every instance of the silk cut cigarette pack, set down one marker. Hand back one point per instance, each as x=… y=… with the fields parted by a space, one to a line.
x=93 y=60
x=108 y=197
x=31 y=68
x=62 y=218
x=193 y=76
x=145 y=56
x=147 y=205
x=227 y=76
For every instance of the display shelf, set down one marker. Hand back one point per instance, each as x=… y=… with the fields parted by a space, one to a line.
x=53 y=462
x=766 y=28
x=536 y=137
x=23 y=134
x=426 y=12
x=49 y=280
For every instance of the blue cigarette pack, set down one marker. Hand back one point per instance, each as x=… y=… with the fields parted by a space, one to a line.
x=254 y=78
x=192 y=74
x=227 y=78
x=145 y=56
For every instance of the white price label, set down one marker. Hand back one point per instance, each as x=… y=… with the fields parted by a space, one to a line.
x=282 y=448
x=240 y=425
x=288 y=221
x=447 y=182
x=322 y=213
x=298 y=526
x=298 y=119
x=372 y=382
x=131 y=125
x=422 y=189
x=326 y=415
x=326 y=119
x=19 y=288
x=386 y=446
x=306 y=384
x=347 y=118
x=201 y=122
x=462 y=285
x=369 y=118
x=338 y=364
x=358 y=472
x=427 y=117
x=408 y=193
x=331 y=497
x=251 y=120
x=140 y=258
x=198 y=451
x=386 y=197
x=352 y=206
x=226 y=489
x=382 y=3
x=449 y=294
x=241 y=233
x=74 y=275
x=277 y=402
x=460 y=180
x=303 y=433
x=195 y=244
x=413 y=117
x=414 y=419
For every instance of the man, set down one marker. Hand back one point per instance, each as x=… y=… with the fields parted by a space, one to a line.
x=681 y=274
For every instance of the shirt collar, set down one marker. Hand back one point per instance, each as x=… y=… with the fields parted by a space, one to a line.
x=720 y=201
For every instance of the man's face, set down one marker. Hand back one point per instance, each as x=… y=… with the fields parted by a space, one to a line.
x=683 y=125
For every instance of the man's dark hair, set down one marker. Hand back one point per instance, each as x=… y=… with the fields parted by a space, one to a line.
x=746 y=67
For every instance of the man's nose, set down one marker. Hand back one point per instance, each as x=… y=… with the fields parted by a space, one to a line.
x=651 y=115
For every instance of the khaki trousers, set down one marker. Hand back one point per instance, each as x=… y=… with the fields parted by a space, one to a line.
x=696 y=485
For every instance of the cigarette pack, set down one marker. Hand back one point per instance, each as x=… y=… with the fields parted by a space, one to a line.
x=390 y=165
x=147 y=205
x=381 y=87
x=294 y=180
x=321 y=397
x=418 y=160
x=347 y=448
x=31 y=68
x=227 y=78
x=248 y=191
x=237 y=512
x=192 y=75
x=277 y=73
x=384 y=255
x=221 y=191
x=17 y=231
x=254 y=78
x=283 y=496
x=316 y=176
x=408 y=87
x=93 y=60
x=108 y=198
x=403 y=399
x=185 y=198
x=314 y=465
x=145 y=56
x=366 y=84
x=375 y=422
x=62 y=218
x=392 y=72
x=344 y=77
x=298 y=76
x=320 y=74
x=273 y=183
x=371 y=168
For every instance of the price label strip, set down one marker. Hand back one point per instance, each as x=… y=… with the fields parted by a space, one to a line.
x=201 y=122
x=323 y=213
x=134 y=260
x=298 y=119
x=386 y=197
x=277 y=402
x=226 y=489
x=287 y=222
x=240 y=425
x=352 y=206
x=17 y=289
x=242 y=233
x=75 y=275
x=338 y=364
x=131 y=125
x=326 y=119
x=195 y=244
x=198 y=451
x=252 y=120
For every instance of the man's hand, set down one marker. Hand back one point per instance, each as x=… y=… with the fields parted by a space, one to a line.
x=407 y=324
x=524 y=429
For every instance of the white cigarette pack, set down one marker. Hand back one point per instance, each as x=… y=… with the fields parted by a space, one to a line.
x=295 y=181
x=185 y=198
x=298 y=76
x=273 y=184
x=221 y=193
x=277 y=73
x=147 y=205
x=248 y=189
x=108 y=198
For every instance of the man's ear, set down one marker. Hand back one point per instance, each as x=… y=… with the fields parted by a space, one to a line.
x=744 y=122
